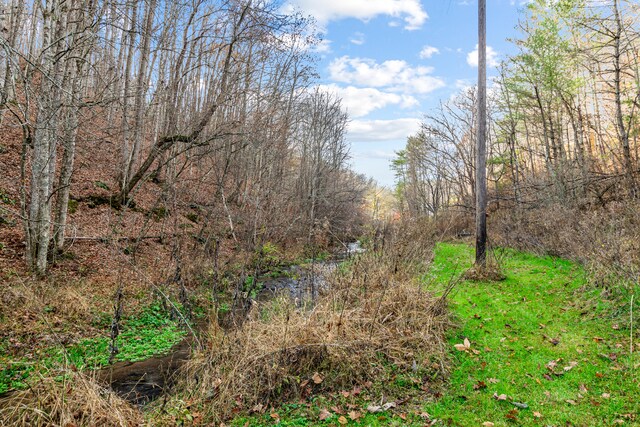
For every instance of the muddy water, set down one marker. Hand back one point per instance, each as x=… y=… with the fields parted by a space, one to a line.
x=144 y=381
x=141 y=382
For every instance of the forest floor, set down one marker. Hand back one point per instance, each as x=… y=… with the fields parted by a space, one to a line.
x=539 y=348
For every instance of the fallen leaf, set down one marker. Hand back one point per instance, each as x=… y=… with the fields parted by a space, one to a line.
x=354 y=415
x=345 y=393
x=499 y=397
x=480 y=385
x=488 y=424
x=374 y=408
x=493 y=380
x=388 y=406
x=317 y=379
x=571 y=366
x=275 y=416
x=537 y=414
x=403 y=416
x=583 y=388
x=512 y=414
x=342 y=420
x=606 y=395
x=466 y=345
x=324 y=414
x=571 y=402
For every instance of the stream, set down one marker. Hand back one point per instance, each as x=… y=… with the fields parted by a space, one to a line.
x=144 y=381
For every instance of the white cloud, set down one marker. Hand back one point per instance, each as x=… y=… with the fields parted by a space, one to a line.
x=492 y=57
x=382 y=130
x=396 y=75
x=378 y=154
x=411 y=11
x=357 y=39
x=323 y=46
x=361 y=101
x=428 y=51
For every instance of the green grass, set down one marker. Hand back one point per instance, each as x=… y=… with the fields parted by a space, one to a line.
x=150 y=333
x=542 y=312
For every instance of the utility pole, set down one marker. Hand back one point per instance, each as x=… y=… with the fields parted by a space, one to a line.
x=481 y=140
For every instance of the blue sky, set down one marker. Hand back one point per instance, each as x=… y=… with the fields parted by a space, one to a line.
x=393 y=60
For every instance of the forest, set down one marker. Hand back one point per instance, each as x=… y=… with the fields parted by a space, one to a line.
x=184 y=239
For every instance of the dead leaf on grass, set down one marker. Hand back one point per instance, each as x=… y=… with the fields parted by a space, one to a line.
x=354 y=415
x=465 y=346
x=324 y=414
x=317 y=379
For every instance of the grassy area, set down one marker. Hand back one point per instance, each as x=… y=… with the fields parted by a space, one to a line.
x=150 y=333
x=543 y=348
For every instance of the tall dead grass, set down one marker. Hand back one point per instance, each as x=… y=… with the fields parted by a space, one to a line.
x=78 y=400
x=372 y=315
x=605 y=240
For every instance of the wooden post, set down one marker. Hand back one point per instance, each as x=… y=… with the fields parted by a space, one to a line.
x=481 y=141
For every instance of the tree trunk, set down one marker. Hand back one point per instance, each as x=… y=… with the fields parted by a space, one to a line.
x=623 y=133
x=44 y=144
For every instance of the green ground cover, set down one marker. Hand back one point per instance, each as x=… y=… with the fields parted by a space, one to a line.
x=540 y=338
x=152 y=332
x=544 y=349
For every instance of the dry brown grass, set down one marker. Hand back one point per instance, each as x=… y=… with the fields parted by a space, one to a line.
x=491 y=272
x=373 y=316
x=76 y=401
x=605 y=240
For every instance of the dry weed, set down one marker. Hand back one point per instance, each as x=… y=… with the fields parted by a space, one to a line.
x=372 y=316
x=77 y=400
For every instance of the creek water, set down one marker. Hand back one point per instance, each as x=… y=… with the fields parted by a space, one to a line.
x=144 y=381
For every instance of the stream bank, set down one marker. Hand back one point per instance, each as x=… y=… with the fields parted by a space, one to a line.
x=144 y=381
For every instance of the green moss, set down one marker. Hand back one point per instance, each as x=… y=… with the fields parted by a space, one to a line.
x=193 y=217
x=101 y=184
x=159 y=212
x=72 y=206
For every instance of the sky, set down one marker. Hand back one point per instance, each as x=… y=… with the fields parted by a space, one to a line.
x=391 y=61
